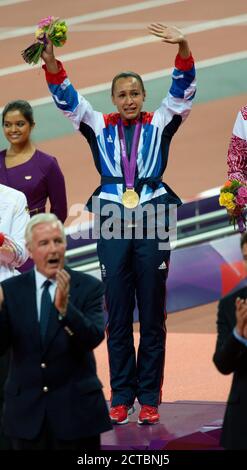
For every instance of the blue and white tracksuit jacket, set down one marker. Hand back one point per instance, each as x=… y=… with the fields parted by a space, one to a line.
x=101 y=132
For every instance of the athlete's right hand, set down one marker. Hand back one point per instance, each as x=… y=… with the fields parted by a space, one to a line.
x=49 y=57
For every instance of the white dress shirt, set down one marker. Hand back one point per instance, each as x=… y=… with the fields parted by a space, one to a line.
x=13 y=220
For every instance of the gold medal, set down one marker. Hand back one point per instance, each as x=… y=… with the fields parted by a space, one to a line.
x=130 y=198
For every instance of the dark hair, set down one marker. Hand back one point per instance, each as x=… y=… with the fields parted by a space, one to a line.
x=243 y=240
x=19 y=105
x=126 y=75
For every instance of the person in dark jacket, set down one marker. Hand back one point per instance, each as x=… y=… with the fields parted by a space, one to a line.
x=51 y=318
x=231 y=357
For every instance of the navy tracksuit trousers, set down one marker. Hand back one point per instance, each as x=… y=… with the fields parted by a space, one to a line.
x=132 y=270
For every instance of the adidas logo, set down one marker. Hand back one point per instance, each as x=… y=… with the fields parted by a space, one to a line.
x=103 y=270
x=163 y=265
x=109 y=139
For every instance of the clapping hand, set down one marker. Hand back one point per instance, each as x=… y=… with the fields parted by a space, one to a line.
x=241 y=317
x=7 y=254
x=62 y=291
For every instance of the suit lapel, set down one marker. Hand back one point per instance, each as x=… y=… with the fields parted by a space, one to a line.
x=53 y=327
x=31 y=312
x=74 y=284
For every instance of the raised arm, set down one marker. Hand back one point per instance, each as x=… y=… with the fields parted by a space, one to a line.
x=178 y=101
x=50 y=59
x=67 y=99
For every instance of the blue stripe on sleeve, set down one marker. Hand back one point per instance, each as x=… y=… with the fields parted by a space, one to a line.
x=181 y=81
x=66 y=99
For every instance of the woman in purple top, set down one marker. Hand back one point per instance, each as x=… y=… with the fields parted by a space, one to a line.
x=27 y=169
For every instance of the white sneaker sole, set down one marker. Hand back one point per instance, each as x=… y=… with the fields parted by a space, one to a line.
x=146 y=422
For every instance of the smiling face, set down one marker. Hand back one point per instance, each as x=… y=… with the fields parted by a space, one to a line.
x=47 y=248
x=16 y=128
x=128 y=96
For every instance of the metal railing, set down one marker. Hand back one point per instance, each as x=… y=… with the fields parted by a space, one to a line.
x=190 y=231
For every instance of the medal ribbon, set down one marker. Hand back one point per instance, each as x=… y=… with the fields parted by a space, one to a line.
x=129 y=165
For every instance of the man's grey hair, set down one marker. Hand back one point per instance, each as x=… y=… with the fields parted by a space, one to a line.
x=42 y=219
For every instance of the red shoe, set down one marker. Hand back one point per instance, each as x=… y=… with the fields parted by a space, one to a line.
x=148 y=415
x=119 y=414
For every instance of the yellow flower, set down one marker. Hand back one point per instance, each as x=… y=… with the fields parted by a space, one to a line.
x=230 y=206
x=225 y=198
x=39 y=33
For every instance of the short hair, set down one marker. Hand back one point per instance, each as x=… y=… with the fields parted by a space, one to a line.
x=126 y=75
x=243 y=240
x=42 y=219
x=19 y=105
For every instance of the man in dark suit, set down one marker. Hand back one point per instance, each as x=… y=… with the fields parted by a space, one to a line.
x=52 y=319
x=231 y=356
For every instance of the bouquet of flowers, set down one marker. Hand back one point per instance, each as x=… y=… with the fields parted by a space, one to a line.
x=51 y=28
x=233 y=196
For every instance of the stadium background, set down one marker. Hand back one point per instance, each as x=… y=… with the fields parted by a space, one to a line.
x=107 y=36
